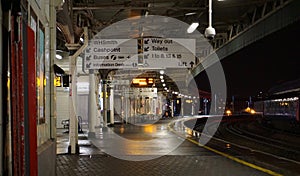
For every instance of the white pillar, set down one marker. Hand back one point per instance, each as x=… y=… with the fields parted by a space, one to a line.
x=92 y=105
x=193 y=107
x=182 y=108
x=205 y=106
x=172 y=107
x=73 y=129
x=126 y=103
x=112 y=115
x=1 y=98
x=215 y=105
x=104 y=93
x=50 y=51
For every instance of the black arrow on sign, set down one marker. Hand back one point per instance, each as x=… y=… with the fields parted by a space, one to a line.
x=146 y=41
x=88 y=65
x=192 y=64
x=88 y=50
x=146 y=49
x=88 y=57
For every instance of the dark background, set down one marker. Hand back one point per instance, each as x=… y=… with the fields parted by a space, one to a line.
x=262 y=65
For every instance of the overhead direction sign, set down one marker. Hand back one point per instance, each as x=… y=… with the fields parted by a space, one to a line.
x=140 y=53
x=170 y=52
x=110 y=53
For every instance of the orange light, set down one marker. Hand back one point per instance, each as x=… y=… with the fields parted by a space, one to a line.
x=150 y=80
x=189 y=101
x=249 y=110
x=228 y=112
x=135 y=81
x=140 y=81
x=149 y=129
x=122 y=129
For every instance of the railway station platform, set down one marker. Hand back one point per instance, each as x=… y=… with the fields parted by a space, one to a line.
x=161 y=148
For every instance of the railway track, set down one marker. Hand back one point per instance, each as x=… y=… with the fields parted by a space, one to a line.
x=247 y=139
x=268 y=141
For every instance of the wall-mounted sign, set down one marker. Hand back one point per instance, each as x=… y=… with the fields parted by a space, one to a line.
x=57 y=81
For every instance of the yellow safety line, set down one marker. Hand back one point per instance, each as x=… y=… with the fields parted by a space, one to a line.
x=231 y=157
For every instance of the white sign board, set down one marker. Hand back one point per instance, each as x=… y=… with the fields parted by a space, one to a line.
x=145 y=92
x=156 y=53
x=120 y=82
x=110 y=53
x=168 y=53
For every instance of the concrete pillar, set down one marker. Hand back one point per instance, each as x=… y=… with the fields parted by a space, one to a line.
x=92 y=105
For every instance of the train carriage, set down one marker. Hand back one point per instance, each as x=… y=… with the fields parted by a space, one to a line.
x=281 y=108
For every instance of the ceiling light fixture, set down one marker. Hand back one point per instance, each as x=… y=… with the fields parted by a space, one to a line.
x=192 y=27
x=191 y=13
x=58 y=56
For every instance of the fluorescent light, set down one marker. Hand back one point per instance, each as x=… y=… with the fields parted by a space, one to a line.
x=191 y=13
x=192 y=27
x=58 y=56
x=59 y=29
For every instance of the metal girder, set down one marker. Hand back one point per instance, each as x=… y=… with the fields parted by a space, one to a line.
x=287 y=14
x=134 y=8
x=65 y=23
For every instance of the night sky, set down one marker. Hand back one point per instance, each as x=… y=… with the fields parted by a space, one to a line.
x=262 y=65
